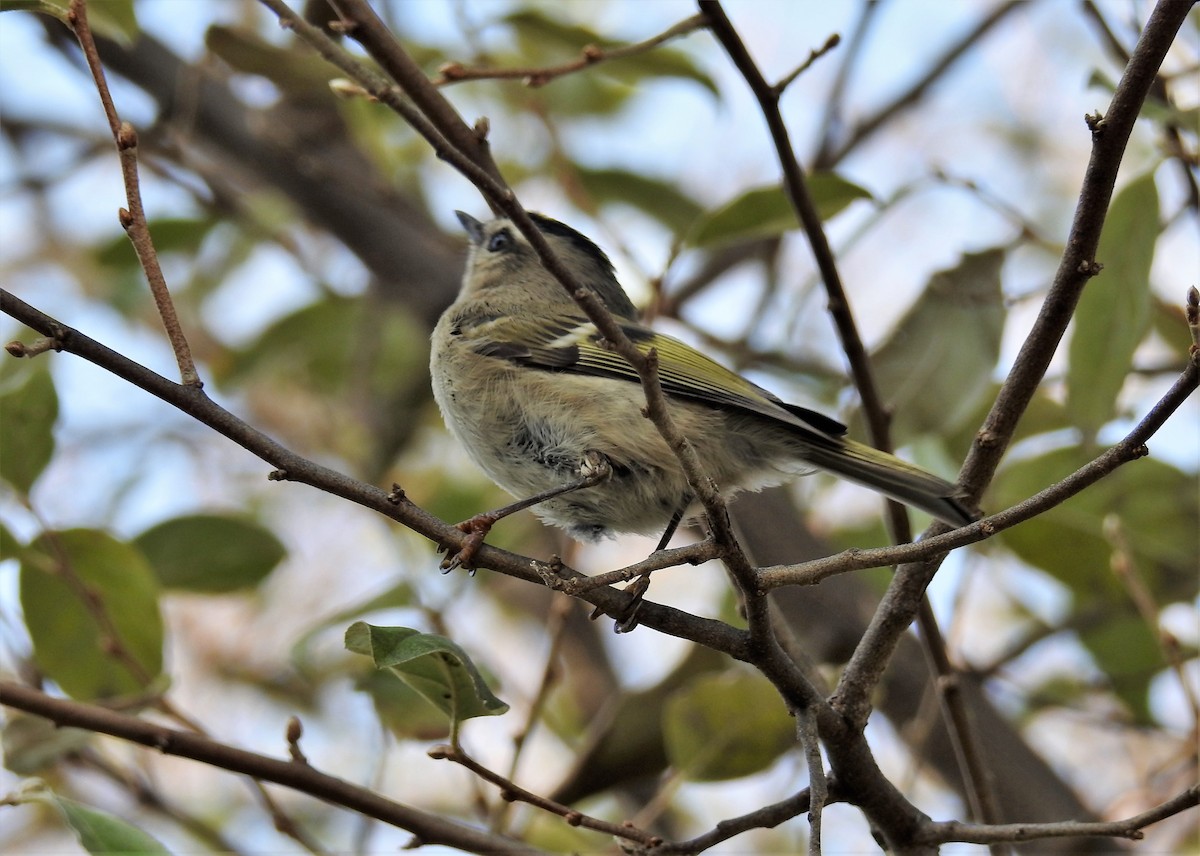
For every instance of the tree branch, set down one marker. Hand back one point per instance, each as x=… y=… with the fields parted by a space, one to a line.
x=429 y=828
x=292 y=467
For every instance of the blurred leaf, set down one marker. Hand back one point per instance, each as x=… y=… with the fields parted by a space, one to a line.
x=726 y=726
x=1043 y=416
x=102 y=833
x=125 y=283
x=767 y=212
x=629 y=746
x=1127 y=650
x=31 y=743
x=934 y=369
x=293 y=70
x=1114 y=310
x=432 y=665
x=318 y=344
x=210 y=553
x=170 y=234
x=69 y=645
x=399 y=595
x=10 y=547
x=1170 y=322
x=1157 y=506
x=28 y=410
x=57 y=9
x=113 y=19
x=660 y=199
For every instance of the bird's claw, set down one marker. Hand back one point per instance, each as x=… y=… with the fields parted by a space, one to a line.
x=476 y=529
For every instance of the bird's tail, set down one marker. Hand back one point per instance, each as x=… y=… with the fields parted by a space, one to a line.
x=892 y=477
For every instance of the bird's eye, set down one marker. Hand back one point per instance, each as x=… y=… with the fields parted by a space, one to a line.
x=499 y=241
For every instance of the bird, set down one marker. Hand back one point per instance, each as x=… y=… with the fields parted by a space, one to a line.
x=554 y=416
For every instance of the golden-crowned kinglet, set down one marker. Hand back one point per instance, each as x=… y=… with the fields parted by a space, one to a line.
x=526 y=384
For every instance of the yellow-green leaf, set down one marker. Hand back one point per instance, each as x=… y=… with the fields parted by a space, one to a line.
x=28 y=410
x=73 y=643
x=210 y=553
x=432 y=665
x=726 y=726
x=767 y=212
x=1114 y=311
x=935 y=366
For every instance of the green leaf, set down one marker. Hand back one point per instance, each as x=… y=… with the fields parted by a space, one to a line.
x=935 y=367
x=660 y=199
x=1170 y=322
x=1114 y=310
x=401 y=709
x=1127 y=650
x=70 y=645
x=767 y=212
x=102 y=833
x=10 y=547
x=170 y=234
x=28 y=410
x=210 y=553
x=57 y=9
x=432 y=665
x=1156 y=504
x=31 y=743
x=1156 y=507
x=113 y=19
x=726 y=726
x=291 y=69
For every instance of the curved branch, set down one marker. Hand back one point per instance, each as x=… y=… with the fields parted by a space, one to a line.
x=591 y=55
x=292 y=467
x=1128 y=449
x=429 y=828
x=1131 y=828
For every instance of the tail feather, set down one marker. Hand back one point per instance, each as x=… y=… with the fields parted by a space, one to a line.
x=892 y=477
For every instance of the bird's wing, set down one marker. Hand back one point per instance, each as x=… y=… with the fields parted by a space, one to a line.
x=573 y=344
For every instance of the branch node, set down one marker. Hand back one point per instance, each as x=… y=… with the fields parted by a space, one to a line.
x=39 y=346
x=1095 y=123
x=127 y=137
x=1193 y=316
x=295 y=729
x=125 y=218
x=396 y=495
x=277 y=475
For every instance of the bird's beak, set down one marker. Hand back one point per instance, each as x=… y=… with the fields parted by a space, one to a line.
x=474 y=227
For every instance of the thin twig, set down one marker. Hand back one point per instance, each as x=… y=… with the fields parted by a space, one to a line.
x=1110 y=136
x=591 y=55
x=430 y=828
x=875 y=414
x=510 y=790
x=828 y=155
x=1131 y=828
x=1128 y=449
x=392 y=504
x=556 y=625
x=133 y=220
